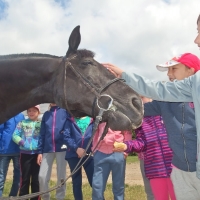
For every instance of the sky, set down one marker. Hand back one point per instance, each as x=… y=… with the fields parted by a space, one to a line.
x=132 y=34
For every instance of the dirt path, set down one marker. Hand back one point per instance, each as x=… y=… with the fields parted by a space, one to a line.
x=133 y=174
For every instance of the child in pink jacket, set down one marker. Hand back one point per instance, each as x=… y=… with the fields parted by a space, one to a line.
x=105 y=161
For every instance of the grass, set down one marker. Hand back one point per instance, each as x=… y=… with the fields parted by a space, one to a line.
x=135 y=192
x=131 y=159
x=132 y=192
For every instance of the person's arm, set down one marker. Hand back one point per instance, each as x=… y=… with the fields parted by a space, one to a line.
x=16 y=137
x=39 y=159
x=68 y=140
x=177 y=91
x=9 y=127
x=138 y=145
x=1 y=130
x=41 y=139
x=152 y=109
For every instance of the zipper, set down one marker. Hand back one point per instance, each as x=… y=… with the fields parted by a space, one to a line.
x=160 y=143
x=182 y=127
x=82 y=139
x=53 y=130
x=33 y=131
x=82 y=136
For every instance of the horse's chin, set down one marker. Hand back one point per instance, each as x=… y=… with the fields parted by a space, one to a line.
x=119 y=121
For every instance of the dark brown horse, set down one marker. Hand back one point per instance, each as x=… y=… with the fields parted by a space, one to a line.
x=73 y=82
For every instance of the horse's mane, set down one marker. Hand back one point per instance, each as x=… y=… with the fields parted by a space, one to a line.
x=85 y=53
x=27 y=55
x=81 y=52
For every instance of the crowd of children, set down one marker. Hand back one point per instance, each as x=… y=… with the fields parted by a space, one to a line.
x=166 y=142
x=40 y=142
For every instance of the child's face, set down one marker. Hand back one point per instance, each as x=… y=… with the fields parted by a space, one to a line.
x=33 y=113
x=197 y=39
x=179 y=72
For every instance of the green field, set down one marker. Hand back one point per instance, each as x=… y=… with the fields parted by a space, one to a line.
x=135 y=192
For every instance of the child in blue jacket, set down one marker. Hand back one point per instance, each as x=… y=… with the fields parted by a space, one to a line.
x=77 y=132
x=50 y=148
x=9 y=151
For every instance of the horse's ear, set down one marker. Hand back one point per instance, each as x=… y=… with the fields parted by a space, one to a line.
x=74 y=41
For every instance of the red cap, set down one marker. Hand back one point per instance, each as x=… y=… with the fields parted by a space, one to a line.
x=188 y=59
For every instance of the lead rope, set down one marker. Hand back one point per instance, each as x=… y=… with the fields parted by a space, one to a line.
x=96 y=123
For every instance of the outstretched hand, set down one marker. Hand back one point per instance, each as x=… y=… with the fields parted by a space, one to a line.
x=113 y=69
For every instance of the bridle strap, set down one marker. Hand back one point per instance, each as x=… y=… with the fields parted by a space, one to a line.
x=97 y=91
x=110 y=83
x=102 y=89
x=65 y=89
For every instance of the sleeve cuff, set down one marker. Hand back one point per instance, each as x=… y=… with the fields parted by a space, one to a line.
x=21 y=142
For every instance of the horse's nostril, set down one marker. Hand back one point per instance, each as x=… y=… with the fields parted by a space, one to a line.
x=136 y=103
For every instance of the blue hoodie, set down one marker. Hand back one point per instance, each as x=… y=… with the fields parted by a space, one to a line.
x=74 y=139
x=51 y=138
x=179 y=119
x=186 y=90
x=7 y=146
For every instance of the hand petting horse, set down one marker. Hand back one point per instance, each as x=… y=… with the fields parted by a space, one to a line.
x=75 y=82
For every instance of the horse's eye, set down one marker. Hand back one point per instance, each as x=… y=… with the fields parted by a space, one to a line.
x=87 y=63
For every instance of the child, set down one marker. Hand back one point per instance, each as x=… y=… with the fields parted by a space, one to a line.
x=151 y=139
x=147 y=186
x=9 y=151
x=77 y=132
x=105 y=161
x=49 y=148
x=26 y=135
x=184 y=144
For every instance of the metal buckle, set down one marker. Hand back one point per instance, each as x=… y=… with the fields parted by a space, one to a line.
x=109 y=105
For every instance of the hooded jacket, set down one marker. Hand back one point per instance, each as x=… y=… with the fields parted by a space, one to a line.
x=179 y=119
x=186 y=90
x=7 y=146
x=74 y=139
x=106 y=145
x=151 y=138
x=26 y=135
x=51 y=138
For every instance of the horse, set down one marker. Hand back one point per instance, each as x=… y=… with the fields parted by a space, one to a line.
x=76 y=82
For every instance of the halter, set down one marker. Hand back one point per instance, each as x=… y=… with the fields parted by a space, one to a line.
x=98 y=118
x=97 y=91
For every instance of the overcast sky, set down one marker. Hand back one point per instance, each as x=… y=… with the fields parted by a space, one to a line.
x=133 y=34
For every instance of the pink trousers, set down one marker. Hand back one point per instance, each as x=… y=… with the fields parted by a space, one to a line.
x=162 y=189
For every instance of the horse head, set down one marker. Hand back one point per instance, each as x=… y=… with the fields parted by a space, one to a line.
x=95 y=87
